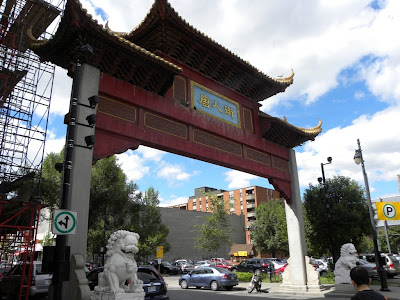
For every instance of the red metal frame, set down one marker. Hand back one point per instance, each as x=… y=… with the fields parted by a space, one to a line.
x=19 y=238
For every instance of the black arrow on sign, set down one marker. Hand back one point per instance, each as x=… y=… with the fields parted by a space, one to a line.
x=64 y=223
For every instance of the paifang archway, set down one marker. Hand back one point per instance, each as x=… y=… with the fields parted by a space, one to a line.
x=170 y=87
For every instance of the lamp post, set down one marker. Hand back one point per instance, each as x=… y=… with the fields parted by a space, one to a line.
x=358 y=158
x=322 y=181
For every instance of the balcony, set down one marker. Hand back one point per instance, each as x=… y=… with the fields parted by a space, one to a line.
x=251 y=214
x=250 y=197
x=251 y=205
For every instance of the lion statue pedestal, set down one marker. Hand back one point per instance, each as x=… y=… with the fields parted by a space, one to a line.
x=345 y=263
x=120 y=268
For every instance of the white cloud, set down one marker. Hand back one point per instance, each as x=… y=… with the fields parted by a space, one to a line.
x=379 y=136
x=53 y=143
x=132 y=165
x=151 y=153
x=238 y=179
x=173 y=173
x=171 y=202
x=61 y=94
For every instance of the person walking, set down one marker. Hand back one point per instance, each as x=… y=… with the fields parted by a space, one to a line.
x=361 y=281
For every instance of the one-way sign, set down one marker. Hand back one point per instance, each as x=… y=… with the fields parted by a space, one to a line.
x=64 y=222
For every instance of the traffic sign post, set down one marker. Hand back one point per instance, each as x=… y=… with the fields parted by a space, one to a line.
x=64 y=222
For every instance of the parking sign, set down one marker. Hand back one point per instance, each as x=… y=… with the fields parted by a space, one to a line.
x=388 y=210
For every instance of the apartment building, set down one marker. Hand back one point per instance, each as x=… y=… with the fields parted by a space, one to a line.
x=242 y=201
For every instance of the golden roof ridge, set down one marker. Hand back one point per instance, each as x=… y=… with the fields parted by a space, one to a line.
x=310 y=131
x=288 y=79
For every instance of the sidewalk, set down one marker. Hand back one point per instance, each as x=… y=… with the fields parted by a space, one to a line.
x=327 y=291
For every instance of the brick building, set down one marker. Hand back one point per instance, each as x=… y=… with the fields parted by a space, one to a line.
x=242 y=201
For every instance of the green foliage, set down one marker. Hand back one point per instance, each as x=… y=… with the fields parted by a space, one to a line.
x=110 y=202
x=246 y=277
x=215 y=231
x=51 y=179
x=114 y=204
x=366 y=245
x=394 y=239
x=328 y=279
x=146 y=221
x=47 y=240
x=269 y=231
x=349 y=213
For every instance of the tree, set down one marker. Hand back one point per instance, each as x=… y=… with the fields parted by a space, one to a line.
x=111 y=202
x=146 y=221
x=394 y=239
x=349 y=215
x=51 y=179
x=215 y=231
x=269 y=231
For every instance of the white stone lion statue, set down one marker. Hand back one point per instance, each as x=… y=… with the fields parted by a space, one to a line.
x=345 y=263
x=121 y=265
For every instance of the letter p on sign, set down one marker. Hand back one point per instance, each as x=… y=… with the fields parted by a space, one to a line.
x=388 y=210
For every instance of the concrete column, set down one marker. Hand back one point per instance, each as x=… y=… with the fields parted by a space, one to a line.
x=296 y=235
x=82 y=158
x=82 y=161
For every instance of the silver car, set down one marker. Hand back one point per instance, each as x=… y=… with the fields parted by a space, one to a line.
x=210 y=277
x=370 y=267
x=39 y=286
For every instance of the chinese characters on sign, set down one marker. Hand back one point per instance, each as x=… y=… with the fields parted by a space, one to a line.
x=215 y=105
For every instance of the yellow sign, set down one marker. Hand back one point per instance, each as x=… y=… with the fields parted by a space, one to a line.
x=160 y=252
x=242 y=253
x=388 y=210
x=235 y=254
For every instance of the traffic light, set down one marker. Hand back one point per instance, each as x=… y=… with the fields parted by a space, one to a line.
x=90 y=111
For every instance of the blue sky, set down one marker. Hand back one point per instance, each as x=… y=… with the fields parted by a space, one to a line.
x=346 y=59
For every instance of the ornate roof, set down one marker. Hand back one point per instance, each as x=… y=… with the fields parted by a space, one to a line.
x=164 y=30
x=128 y=55
x=112 y=54
x=281 y=132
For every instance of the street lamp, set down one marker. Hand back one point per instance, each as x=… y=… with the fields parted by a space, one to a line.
x=358 y=158
x=321 y=180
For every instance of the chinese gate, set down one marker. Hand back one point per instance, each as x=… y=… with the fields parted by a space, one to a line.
x=170 y=87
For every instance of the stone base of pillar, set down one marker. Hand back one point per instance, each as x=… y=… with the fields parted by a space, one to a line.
x=313 y=284
x=293 y=288
x=120 y=296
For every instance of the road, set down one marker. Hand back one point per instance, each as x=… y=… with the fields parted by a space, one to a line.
x=235 y=294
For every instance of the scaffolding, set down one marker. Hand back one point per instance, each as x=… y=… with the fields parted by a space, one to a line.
x=26 y=85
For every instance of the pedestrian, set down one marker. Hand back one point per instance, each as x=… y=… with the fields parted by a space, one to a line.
x=360 y=279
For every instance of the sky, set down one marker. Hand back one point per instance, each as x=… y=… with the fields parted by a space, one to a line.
x=346 y=59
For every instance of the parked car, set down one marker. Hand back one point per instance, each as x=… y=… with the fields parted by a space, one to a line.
x=167 y=268
x=224 y=264
x=320 y=266
x=252 y=264
x=4 y=268
x=204 y=263
x=185 y=266
x=153 y=283
x=370 y=267
x=280 y=269
x=218 y=259
x=391 y=264
x=189 y=261
x=210 y=277
x=11 y=281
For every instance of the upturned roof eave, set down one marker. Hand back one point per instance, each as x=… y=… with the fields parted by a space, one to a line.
x=74 y=17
